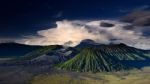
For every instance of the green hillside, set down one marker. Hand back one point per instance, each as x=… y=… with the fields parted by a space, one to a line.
x=123 y=52
x=92 y=60
x=39 y=52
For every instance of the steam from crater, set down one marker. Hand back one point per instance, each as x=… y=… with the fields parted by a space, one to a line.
x=101 y=31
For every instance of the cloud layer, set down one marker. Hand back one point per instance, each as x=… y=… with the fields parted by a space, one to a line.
x=138 y=17
x=76 y=31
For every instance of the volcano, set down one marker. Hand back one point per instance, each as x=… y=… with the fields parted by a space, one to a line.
x=111 y=57
x=93 y=60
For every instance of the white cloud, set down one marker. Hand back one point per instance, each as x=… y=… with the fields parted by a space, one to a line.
x=76 y=31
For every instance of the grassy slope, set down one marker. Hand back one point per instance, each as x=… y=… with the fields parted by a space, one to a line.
x=123 y=52
x=131 y=77
x=92 y=60
x=39 y=52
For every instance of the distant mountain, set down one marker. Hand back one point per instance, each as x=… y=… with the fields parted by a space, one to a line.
x=92 y=60
x=46 y=55
x=35 y=57
x=87 y=43
x=112 y=57
x=120 y=51
x=53 y=56
x=15 y=49
x=39 y=52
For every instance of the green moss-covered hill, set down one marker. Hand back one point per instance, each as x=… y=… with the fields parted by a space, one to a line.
x=92 y=60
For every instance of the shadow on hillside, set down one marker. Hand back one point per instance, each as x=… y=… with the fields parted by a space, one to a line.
x=137 y=63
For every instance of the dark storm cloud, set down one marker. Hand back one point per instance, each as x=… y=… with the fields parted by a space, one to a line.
x=146 y=32
x=140 y=18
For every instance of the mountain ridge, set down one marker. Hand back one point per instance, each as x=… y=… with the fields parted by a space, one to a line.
x=92 y=60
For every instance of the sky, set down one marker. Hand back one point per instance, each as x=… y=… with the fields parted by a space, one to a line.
x=24 y=20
